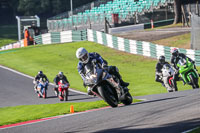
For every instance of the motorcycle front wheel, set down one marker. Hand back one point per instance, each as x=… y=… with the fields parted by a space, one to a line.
x=128 y=100
x=109 y=95
x=65 y=95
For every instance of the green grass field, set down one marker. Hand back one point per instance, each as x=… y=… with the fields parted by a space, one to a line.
x=138 y=70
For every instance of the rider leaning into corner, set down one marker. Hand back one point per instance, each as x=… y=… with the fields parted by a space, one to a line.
x=85 y=57
x=176 y=56
x=159 y=66
x=38 y=77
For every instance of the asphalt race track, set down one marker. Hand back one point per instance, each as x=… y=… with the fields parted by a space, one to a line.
x=163 y=113
x=16 y=90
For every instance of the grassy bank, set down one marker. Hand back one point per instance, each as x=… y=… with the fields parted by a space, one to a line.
x=138 y=70
x=181 y=41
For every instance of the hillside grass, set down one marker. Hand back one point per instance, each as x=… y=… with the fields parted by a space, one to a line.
x=139 y=71
x=181 y=41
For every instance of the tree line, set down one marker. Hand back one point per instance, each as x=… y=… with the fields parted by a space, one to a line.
x=43 y=8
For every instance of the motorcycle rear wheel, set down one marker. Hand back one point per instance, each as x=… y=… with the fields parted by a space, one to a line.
x=194 y=82
x=109 y=95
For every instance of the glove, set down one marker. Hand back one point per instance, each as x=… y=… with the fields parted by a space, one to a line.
x=104 y=66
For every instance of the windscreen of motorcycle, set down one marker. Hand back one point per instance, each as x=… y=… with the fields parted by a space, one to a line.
x=88 y=69
x=167 y=70
x=182 y=62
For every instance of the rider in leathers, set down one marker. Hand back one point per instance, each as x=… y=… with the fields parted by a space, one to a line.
x=159 y=66
x=38 y=77
x=176 y=56
x=85 y=57
x=59 y=76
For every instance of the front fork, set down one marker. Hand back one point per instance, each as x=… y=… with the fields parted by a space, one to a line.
x=119 y=89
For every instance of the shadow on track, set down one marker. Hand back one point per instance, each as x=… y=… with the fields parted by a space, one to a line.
x=167 y=128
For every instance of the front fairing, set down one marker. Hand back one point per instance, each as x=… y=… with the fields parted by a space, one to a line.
x=184 y=66
x=167 y=70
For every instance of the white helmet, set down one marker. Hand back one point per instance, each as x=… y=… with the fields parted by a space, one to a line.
x=83 y=55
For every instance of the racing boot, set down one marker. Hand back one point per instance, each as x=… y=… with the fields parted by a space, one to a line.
x=125 y=84
x=89 y=92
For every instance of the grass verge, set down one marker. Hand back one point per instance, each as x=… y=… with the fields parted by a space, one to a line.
x=196 y=130
x=11 y=115
x=138 y=70
x=181 y=41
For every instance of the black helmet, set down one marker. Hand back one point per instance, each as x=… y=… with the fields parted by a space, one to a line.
x=175 y=52
x=40 y=73
x=162 y=59
x=60 y=74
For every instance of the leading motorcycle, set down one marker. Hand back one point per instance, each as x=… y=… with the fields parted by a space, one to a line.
x=106 y=86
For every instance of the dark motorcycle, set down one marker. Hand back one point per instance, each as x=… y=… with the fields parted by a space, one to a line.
x=106 y=86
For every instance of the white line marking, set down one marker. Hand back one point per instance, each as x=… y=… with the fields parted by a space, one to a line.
x=189 y=130
x=33 y=78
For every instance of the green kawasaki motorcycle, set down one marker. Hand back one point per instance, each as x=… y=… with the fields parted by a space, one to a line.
x=188 y=73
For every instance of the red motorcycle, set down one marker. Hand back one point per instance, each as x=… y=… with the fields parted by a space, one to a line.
x=63 y=90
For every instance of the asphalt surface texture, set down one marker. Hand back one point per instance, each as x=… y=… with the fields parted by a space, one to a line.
x=164 y=113
x=18 y=90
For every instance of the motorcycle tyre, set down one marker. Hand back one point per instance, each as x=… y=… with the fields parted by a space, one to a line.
x=44 y=93
x=194 y=82
x=128 y=100
x=65 y=95
x=103 y=91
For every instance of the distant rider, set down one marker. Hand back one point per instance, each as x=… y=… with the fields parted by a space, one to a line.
x=37 y=78
x=85 y=57
x=159 y=66
x=176 y=56
x=59 y=76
